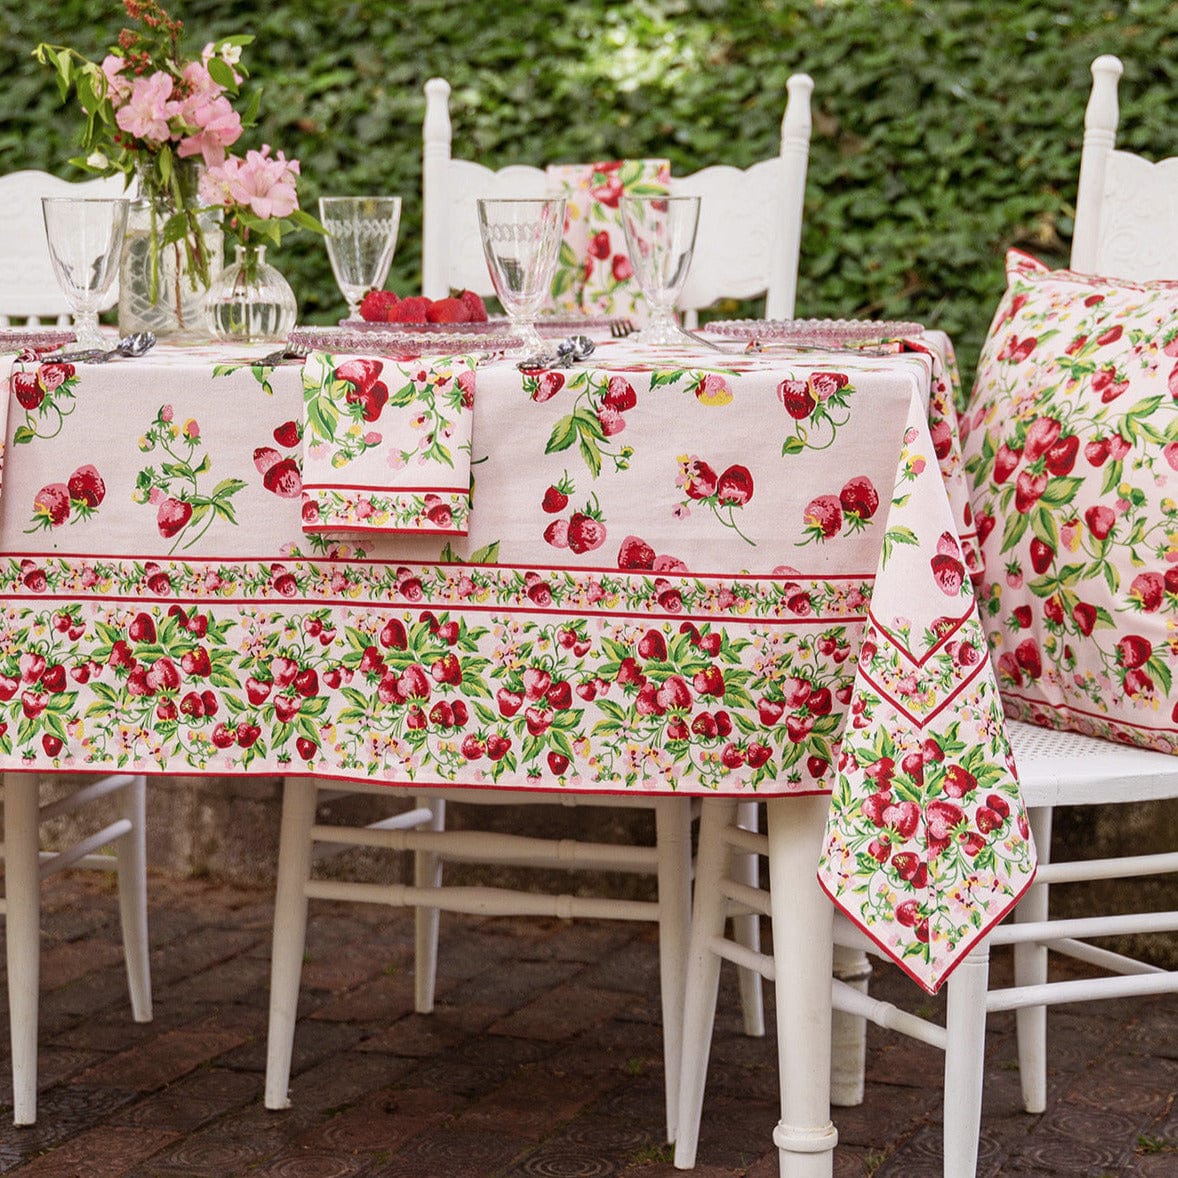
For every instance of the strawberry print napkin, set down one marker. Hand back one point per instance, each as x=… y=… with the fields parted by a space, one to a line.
x=593 y=275
x=386 y=444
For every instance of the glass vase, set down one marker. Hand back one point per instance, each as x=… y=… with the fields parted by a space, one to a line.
x=250 y=301
x=162 y=283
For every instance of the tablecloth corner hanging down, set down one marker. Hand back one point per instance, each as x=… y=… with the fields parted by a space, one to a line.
x=386 y=444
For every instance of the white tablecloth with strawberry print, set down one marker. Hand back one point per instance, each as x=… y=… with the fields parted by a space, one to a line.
x=690 y=572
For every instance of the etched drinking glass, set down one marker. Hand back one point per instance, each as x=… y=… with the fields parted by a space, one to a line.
x=361 y=240
x=85 y=237
x=521 y=241
x=660 y=239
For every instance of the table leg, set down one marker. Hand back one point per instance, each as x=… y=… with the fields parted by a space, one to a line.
x=427 y=873
x=802 y=951
x=22 y=885
x=299 y=799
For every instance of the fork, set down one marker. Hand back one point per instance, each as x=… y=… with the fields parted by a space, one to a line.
x=290 y=352
x=620 y=328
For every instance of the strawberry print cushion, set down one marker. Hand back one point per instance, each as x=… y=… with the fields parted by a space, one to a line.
x=593 y=274
x=1071 y=447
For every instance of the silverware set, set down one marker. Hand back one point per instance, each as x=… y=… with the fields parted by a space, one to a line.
x=135 y=344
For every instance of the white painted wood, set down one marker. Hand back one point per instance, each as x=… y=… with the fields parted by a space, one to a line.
x=1126 y=206
x=848 y=1032
x=965 y=1057
x=746 y=928
x=427 y=873
x=25 y=865
x=749 y=235
x=28 y=288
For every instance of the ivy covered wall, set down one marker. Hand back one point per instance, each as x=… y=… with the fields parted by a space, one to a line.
x=944 y=130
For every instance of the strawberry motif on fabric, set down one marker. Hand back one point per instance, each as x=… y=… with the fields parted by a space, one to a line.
x=1071 y=445
x=386 y=444
x=928 y=844
x=593 y=274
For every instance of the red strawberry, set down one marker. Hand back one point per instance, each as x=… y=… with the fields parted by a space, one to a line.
x=709 y=681
x=987 y=820
x=411 y=310
x=265 y=457
x=289 y=434
x=1084 y=615
x=509 y=702
x=620 y=394
x=769 y=711
x=1041 y=436
x=1096 y=451
x=1042 y=554
x=548 y=385
x=1110 y=336
x=1028 y=489
x=941 y=817
x=948 y=572
x=51 y=744
x=247 y=734
x=652 y=645
x=1133 y=651
x=447 y=669
x=1027 y=655
x=599 y=245
x=823 y=385
x=1023 y=617
x=620 y=268
x=28 y=389
x=306 y=747
x=376 y=305
x=958 y=781
x=859 y=497
x=172 y=517
x=142 y=628
x=1062 y=456
x=1005 y=462
x=307 y=682
x=52 y=504
x=498 y=746
x=1137 y=682
x=795 y=395
x=448 y=311
x=585 y=533
x=635 y=554
x=556 y=497
x=475 y=306
x=824 y=516
x=86 y=486
x=1100 y=520
x=284 y=480
x=222 y=736
x=735 y=486
x=1148 y=588
x=757 y=754
x=816 y=766
x=557 y=533
x=611 y=421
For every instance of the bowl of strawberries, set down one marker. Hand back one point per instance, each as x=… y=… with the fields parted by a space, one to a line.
x=465 y=309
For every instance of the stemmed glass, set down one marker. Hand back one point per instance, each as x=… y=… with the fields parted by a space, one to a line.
x=85 y=239
x=361 y=239
x=660 y=238
x=521 y=241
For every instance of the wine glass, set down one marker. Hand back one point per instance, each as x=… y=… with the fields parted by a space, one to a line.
x=85 y=239
x=361 y=239
x=521 y=241
x=660 y=238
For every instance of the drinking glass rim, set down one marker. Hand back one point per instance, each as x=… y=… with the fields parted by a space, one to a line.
x=328 y=199
x=647 y=198
x=520 y=200
x=87 y=200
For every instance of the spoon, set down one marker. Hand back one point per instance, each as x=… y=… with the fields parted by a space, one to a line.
x=568 y=351
x=131 y=345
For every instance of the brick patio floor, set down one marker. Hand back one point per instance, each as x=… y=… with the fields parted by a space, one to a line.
x=542 y=1060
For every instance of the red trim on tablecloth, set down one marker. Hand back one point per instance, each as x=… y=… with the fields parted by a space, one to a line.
x=960 y=953
x=932 y=650
x=979 y=666
x=1102 y=717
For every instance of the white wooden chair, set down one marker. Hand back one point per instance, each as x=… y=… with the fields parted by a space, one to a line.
x=748 y=243
x=25 y=866
x=750 y=219
x=1127 y=226
x=28 y=289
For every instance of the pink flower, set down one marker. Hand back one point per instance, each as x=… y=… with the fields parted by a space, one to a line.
x=265 y=185
x=215 y=124
x=147 y=111
x=118 y=86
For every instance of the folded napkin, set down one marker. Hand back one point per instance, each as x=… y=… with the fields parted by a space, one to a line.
x=594 y=275
x=386 y=444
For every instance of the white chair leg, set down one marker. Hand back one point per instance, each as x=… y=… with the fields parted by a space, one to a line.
x=299 y=799
x=132 y=860
x=848 y=1032
x=746 y=930
x=703 y=974
x=673 y=839
x=803 y=955
x=427 y=873
x=1030 y=969
x=965 y=1056
x=22 y=883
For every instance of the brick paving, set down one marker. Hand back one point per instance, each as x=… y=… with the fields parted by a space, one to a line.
x=542 y=1060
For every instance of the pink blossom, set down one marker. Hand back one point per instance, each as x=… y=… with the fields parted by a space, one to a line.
x=118 y=85
x=147 y=111
x=265 y=185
